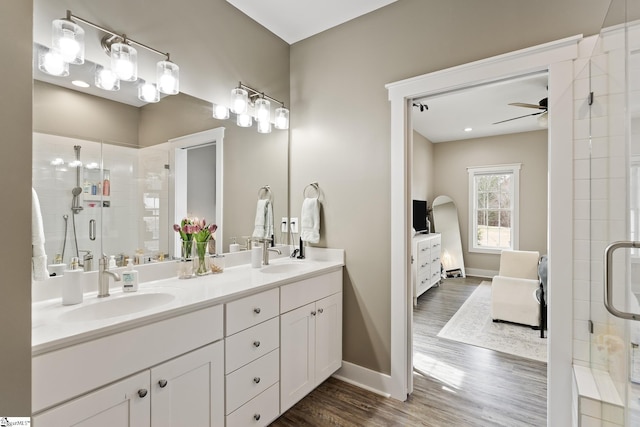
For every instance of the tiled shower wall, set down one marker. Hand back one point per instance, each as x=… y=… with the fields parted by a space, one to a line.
x=137 y=204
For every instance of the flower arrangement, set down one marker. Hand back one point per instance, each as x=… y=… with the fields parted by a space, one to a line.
x=198 y=231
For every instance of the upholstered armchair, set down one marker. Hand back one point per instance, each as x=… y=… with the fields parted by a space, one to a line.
x=513 y=290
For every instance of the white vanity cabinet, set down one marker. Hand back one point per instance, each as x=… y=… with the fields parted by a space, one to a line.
x=124 y=403
x=184 y=391
x=310 y=335
x=182 y=373
x=252 y=359
x=425 y=267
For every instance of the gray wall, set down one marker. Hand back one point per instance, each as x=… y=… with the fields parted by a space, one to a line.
x=423 y=176
x=15 y=169
x=452 y=179
x=340 y=119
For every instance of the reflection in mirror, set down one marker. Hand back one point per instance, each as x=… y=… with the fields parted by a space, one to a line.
x=131 y=145
x=83 y=185
x=445 y=222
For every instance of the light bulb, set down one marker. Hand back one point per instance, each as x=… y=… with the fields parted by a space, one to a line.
x=68 y=39
x=244 y=120
x=282 y=118
x=124 y=62
x=148 y=92
x=106 y=79
x=168 y=77
x=52 y=62
x=263 y=110
x=264 y=126
x=239 y=100
x=220 y=112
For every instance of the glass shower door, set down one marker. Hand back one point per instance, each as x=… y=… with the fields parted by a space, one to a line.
x=614 y=216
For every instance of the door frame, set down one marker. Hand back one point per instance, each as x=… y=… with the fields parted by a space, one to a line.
x=557 y=58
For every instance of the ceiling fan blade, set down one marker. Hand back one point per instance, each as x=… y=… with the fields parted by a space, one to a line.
x=520 y=117
x=522 y=104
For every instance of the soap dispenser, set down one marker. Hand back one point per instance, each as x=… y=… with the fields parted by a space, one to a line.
x=130 y=278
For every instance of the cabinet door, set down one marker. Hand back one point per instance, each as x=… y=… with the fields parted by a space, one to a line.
x=122 y=404
x=297 y=355
x=189 y=390
x=328 y=337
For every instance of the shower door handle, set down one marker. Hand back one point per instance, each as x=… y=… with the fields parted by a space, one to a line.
x=92 y=229
x=608 y=279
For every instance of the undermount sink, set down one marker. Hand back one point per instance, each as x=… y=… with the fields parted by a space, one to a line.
x=117 y=306
x=282 y=268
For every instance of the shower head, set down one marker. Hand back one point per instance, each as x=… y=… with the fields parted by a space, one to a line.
x=75 y=202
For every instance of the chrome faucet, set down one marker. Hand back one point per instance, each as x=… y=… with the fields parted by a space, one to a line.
x=266 y=249
x=103 y=282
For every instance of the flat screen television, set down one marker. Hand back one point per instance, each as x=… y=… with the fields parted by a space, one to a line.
x=420 y=216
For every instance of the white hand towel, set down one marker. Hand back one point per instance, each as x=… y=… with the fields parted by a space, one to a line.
x=264 y=220
x=310 y=220
x=39 y=256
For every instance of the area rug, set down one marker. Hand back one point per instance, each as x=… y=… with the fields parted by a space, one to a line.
x=472 y=324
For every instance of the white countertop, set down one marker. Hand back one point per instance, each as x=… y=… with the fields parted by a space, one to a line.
x=54 y=326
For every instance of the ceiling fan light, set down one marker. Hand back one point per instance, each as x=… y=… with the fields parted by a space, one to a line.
x=67 y=37
x=124 y=62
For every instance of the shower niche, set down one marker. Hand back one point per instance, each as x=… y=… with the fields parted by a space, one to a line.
x=96 y=187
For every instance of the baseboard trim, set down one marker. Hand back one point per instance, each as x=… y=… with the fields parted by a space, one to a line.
x=477 y=272
x=365 y=378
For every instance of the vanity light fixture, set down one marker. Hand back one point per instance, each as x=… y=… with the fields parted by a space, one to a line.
x=220 y=112
x=68 y=44
x=243 y=96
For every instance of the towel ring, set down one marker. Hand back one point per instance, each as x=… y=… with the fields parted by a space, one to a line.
x=314 y=186
x=265 y=193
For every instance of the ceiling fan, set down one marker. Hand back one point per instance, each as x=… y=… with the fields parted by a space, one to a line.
x=542 y=106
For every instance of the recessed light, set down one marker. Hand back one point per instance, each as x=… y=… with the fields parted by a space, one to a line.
x=468 y=129
x=80 y=83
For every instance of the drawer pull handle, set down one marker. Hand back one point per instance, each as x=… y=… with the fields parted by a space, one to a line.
x=162 y=383
x=256 y=343
x=313 y=313
x=256 y=417
x=321 y=310
x=142 y=392
x=256 y=380
x=256 y=310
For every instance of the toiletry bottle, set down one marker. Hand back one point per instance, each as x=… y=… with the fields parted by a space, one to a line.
x=234 y=246
x=106 y=185
x=130 y=278
x=72 y=287
x=112 y=261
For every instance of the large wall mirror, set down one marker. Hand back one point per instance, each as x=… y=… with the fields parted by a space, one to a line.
x=102 y=166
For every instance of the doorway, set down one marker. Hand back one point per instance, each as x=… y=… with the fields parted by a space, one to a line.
x=557 y=58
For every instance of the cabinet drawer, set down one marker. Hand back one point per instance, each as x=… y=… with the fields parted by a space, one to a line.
x=435 y=243
x=249 y=381
x=246 y=312
x=309 y=290
x=251 y=344
x=259 y=411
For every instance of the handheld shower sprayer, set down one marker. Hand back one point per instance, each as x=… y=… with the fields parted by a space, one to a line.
x=77 y=190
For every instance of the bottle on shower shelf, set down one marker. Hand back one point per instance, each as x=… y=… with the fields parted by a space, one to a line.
x=106 y=185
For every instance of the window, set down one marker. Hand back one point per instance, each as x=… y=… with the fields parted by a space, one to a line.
x=493 y=208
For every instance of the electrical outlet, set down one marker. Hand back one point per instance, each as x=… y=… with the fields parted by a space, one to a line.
x=284 y=225
x=294 y=225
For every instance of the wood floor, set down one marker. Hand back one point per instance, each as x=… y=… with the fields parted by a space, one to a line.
x=462 y=386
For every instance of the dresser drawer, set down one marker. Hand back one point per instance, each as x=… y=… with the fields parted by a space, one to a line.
x=249 y=381
x=246 y=312
x=259 y=411
x=252 y=343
